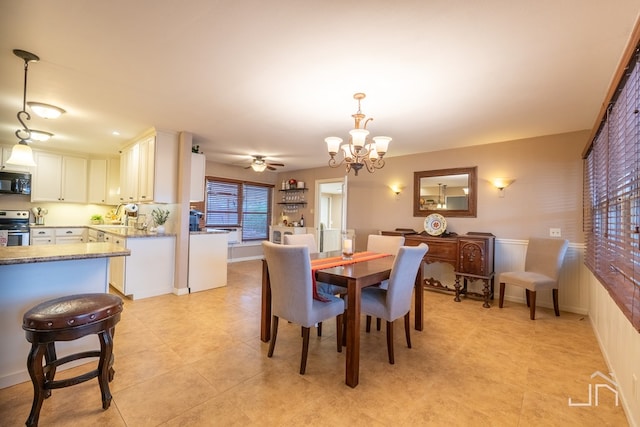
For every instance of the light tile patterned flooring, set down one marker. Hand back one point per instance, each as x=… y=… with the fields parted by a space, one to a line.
x=197 y=360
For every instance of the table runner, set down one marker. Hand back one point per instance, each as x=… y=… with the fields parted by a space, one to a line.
x=319 y=264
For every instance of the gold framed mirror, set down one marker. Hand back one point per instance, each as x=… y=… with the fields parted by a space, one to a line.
x=449 y=192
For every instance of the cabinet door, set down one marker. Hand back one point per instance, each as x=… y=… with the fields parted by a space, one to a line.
x=146 y=169
x=74 y=180
x=129 y=174
x=113 y=181
x=98 y=181
x=47 y=178
x=198 y=164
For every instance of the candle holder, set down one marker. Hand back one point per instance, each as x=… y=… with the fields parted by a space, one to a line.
x=347 y=246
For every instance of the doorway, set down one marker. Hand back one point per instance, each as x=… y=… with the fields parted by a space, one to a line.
x=331 y=218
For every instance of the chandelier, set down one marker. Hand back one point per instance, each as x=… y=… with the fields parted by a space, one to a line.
x=359 y=152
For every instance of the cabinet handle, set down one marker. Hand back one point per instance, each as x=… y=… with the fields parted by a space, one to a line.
x=69 y=232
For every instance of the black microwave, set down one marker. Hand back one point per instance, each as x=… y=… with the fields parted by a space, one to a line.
x=15 y=182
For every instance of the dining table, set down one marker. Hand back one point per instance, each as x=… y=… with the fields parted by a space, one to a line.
x=354 y=277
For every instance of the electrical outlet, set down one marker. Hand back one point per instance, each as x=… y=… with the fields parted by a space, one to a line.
x=555 y=232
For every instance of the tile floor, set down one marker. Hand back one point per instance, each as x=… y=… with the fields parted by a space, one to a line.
x=197 y=360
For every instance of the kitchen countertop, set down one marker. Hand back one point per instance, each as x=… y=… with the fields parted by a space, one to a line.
x=210 y=231
x=46 y=253
x=117 y=230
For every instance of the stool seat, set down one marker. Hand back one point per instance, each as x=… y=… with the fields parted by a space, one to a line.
x=65 y=319
x=71 y=311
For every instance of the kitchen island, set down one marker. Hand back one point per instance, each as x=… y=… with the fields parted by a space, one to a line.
x=33 y=274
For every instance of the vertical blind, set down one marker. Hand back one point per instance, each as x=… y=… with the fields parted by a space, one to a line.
x=231 y=203
x=612 y=200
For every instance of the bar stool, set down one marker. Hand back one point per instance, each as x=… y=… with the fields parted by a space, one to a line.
x=66 y=319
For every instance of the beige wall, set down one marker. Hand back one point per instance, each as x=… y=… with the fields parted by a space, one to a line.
x=547 y=192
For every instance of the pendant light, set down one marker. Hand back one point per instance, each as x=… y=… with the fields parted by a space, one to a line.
x=21 y=154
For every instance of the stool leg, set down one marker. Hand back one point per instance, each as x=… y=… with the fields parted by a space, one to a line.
x=49 y=357
x=104 y=367
x=36 y=372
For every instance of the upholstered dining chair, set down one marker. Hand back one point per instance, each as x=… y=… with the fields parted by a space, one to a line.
x=395 y=301
x=383 y=245
x=309 y=240
x=542 y=266
x=292 y=295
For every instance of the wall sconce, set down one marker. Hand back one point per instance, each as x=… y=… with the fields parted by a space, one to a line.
x=501 y=184
x=397 y=190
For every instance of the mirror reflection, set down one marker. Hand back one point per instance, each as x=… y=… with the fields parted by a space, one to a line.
x=449 y=192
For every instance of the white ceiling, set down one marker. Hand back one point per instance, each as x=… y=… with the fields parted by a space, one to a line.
x=276 y=77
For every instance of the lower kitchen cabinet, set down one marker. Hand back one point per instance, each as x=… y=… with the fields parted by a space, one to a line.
x=148 y=271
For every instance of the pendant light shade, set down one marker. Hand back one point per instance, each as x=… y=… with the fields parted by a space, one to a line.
x=21 y=155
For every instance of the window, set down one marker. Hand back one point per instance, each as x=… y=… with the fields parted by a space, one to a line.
x=612 y=197
x=231 y=203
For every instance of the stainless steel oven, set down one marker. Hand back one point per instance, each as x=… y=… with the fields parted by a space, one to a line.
x=16 y=224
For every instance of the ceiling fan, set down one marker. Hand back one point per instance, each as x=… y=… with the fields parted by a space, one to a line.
x=259 y=164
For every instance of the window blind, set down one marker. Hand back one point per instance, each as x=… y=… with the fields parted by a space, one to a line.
x=231 y=203
x=612 y=197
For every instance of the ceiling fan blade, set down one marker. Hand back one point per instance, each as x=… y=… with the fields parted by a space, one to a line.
x=271 y=168
x=275 y=164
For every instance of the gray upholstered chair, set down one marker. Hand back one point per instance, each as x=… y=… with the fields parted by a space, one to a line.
x=541 y=270
x=292 y=295
x=395 y=301
x=308 y=240
x=383 y=245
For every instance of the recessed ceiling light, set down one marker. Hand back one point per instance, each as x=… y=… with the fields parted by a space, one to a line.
x=115 y=133
x=45 y=110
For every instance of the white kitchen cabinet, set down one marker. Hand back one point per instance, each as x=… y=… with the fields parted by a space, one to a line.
x=104 y=179
x=129 y=159
x=6 y=153
x=70 y=235
x=148 y=271
x=207 y=261
x=198 y=165
x=149 y=168
x=59 y=178
x=42 y=236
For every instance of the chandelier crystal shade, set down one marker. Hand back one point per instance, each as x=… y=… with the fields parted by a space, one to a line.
x=359 y=152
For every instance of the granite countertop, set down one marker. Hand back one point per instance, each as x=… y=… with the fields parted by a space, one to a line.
x=210 y=231
x=46 y=253
x=117 y=230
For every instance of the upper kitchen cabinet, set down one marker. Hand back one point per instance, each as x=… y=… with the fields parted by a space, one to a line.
x=198 y=163
x=149 y=169
x=104 y=180
x=6 y=153
x=59 y=178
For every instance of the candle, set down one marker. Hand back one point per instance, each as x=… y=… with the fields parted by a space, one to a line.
x=347 y=246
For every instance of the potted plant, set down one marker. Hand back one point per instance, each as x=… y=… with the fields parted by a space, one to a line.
x=160 y=216
x=96 y=219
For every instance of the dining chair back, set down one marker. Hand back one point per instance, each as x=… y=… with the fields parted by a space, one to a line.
x=289 y=269
x=384 y=244
x=542 y=266
x=307 y=239
x=395 y=301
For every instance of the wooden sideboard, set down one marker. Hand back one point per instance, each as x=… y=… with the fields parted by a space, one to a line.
x=471 y=256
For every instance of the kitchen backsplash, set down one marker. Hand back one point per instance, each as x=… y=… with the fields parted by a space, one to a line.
x=67 y=214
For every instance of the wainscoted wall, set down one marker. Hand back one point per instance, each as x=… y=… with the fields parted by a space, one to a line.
x=620 y=345
x=573 y=294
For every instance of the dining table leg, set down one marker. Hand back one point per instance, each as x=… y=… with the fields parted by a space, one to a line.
x=265 y=311
x=352 y=371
